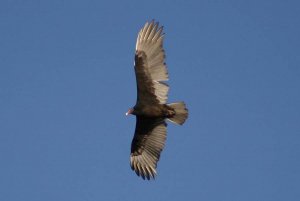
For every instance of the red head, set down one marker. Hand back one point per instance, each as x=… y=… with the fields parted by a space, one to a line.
x=130 y=111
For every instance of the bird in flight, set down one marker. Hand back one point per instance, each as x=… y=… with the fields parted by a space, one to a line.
x=151 y=108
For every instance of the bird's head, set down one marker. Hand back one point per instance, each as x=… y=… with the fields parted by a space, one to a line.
x=130 y=111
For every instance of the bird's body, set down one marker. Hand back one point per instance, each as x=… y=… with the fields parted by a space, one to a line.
x=151 y=109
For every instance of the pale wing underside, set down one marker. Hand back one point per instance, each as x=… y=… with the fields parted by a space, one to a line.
x=150 y=45
x=147 y=144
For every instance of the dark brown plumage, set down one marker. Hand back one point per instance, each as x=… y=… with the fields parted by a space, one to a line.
x=151 y=109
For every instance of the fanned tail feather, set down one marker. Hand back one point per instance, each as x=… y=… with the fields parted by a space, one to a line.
x=181 y=113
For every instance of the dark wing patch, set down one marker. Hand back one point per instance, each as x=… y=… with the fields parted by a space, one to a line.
x=150 y=69
x=147 y=144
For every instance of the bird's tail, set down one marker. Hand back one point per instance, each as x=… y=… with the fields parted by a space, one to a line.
x=181 y=113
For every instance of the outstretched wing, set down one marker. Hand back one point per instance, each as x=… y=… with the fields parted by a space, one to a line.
x=147 y=144
x=150 y=69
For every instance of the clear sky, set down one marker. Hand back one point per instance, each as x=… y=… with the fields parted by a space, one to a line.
x=67 y=79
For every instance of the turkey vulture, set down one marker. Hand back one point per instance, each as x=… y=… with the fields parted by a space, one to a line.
x=151 y=109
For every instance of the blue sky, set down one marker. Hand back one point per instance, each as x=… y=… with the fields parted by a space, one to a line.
x=67 y=79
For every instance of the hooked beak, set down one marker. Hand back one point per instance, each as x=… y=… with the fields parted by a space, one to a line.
x=129 y=112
